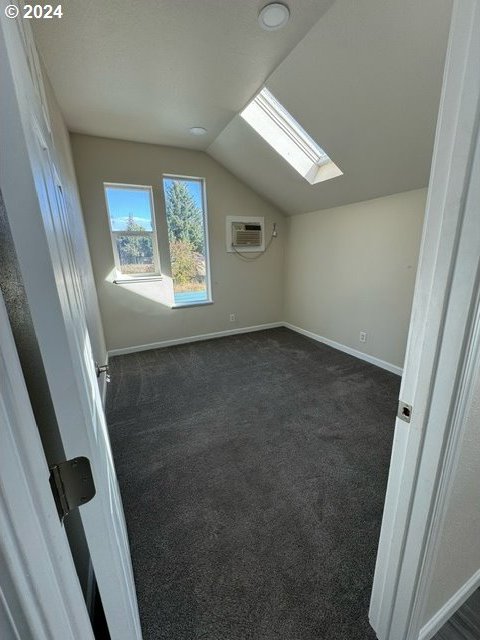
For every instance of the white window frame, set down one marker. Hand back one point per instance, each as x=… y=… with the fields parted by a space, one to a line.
x=269 y=118
x=176 y=176
x=125 y=277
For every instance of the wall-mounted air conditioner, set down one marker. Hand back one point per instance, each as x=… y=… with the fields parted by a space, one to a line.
x=245 y=234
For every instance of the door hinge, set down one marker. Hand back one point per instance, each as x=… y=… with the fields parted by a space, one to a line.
x=404 y=411
x=72 y=484
x=102 y=368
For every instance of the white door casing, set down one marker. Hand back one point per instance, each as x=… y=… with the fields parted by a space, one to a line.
x=35 y=561
x=442 y=351
x=38 y=218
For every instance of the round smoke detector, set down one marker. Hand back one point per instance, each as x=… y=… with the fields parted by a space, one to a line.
x=274 y=16
x=198 y=131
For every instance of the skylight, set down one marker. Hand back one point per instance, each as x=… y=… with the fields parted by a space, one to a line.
x=282 y=132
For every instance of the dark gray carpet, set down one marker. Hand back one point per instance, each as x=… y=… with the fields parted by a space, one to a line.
x=253 y=470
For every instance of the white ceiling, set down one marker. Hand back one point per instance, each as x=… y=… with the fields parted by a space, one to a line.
x=148 y=70
x=365 y=83
x=364 y=80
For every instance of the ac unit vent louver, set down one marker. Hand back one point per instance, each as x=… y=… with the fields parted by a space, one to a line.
x=246 y=235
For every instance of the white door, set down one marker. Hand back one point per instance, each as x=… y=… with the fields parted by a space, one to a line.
x=36 y=565
x=443 y=354
x=39 y=221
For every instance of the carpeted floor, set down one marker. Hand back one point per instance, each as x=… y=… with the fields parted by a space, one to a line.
x=253 y=470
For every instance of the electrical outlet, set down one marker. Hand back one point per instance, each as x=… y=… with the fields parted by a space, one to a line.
x=233 y=317
x=363 y=336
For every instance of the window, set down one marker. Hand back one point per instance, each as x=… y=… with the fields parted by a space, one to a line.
x=282 y=132
x=187 y=235
x=132 y=227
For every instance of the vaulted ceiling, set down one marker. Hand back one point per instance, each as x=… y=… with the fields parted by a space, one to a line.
x=363 y=78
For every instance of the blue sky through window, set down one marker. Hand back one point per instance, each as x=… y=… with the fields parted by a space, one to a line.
x=194 y=188
x=123 y=202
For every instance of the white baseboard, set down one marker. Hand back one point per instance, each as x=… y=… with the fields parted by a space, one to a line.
x=198 y=338
x=446 y=612
x=259 y=327
x=352 y=352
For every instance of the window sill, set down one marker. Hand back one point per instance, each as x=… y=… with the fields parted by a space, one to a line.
x=182 y=305
x=126 y=280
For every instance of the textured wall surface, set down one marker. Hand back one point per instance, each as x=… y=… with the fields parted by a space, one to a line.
x=465 y=623
x=458 y=556
x=13 y=291
x=352 y=269
x=131 y=314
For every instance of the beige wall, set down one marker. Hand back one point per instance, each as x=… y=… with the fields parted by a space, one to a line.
x=131 y=314
x=458 y=553
x=352 y=269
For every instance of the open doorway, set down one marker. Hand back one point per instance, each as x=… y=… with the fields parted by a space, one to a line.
x=252 y=467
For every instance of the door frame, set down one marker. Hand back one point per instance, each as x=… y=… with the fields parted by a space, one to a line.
x=443 y=352
x=41 y=235
x=40 y=594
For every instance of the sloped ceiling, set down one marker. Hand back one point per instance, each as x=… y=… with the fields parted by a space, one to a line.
x=364 y=81
x=148 y=70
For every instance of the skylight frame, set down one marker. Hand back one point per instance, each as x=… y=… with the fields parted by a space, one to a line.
x=282 y=132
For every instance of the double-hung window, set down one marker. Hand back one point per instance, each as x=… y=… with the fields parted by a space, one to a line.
x=132 y=227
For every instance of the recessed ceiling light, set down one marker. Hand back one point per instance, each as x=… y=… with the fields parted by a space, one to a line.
x=274 y=16
x=198 y=131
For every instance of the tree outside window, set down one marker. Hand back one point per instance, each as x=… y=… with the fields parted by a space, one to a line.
x=186 y=235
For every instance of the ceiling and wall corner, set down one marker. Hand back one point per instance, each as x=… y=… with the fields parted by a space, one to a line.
x=363 y=79
x=148 y=72
x=365 y=83
x=132 y=313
